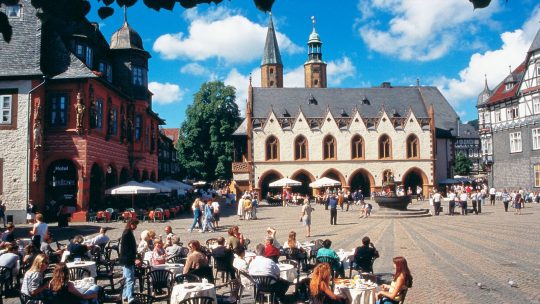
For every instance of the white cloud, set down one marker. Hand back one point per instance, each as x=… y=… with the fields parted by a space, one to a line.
x=165 y=93
x=493 y=63
x=227 y=36
x=418 y=29
x=340 y=70
x=194 y=69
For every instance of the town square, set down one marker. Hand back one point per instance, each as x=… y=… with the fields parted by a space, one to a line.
x=266 y=151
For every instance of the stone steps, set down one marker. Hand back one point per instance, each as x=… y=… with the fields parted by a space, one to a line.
x=391 y=213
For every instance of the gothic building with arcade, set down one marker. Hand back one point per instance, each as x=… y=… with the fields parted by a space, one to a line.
x=358 y=136
x=76 y=112
x=509 y=125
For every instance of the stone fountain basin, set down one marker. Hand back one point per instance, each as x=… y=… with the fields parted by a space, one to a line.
x=393 y=202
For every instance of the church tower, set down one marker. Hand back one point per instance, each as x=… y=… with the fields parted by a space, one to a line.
x=315 y=68
x=271 y=66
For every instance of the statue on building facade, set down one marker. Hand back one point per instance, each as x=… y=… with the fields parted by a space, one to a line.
x=79 y=110
x=38 y=133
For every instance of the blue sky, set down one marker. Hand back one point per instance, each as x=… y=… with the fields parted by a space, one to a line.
x=365 y=42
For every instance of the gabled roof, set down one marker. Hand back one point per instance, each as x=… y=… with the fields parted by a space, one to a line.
x=500 y=94
x=21 y=56
x=535 y=46
x=172 y=133
x=271 y=53
x=242 y=129
x=467 y=131
x=314 y=102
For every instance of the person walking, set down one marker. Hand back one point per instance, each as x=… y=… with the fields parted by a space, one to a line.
x=196 y=215
x=332 y=204
x=463 y=201
x=474 y=200
x=208 y=219
x=437 y=202
x=492 y=193
x=3 y=212
x=306 y=216
x=127 y=258
x=506 y=199
x=451 y=202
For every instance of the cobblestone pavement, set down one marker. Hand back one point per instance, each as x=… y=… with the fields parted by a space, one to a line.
x=448 y=255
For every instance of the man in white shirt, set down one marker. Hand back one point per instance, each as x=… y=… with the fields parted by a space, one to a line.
x=463 y=201
x=492 y=193
x=261 y=266
x=437 y=202
x=11 y=259
x=215 y=211
x=101 y=239
x=451 y=202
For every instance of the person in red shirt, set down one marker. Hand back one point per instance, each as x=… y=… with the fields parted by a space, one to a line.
x=270 y=251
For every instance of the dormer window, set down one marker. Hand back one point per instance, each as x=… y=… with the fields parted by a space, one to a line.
x=106 y=70
x=139 y=76
x=509 y=86
x=14 y=11
x=84 y=53
x=312 y=100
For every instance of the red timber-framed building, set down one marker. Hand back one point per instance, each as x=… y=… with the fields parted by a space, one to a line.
x=84 y=110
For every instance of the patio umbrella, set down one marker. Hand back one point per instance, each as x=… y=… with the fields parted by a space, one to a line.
x=324 y=182
x=199 y=183
x=285 y=182
x=162 y=188
x=132 y=188
x=176 y=184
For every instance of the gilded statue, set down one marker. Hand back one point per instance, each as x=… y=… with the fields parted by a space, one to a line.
x=79 y=109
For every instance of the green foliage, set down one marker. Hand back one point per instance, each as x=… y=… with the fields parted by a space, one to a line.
x=462 y=165
x=205 y=146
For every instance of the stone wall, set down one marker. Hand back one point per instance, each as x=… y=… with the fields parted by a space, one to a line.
x=14 y=154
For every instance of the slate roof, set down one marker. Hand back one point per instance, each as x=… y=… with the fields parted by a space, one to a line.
x=271 y=53
x=21 y=56
x=500 y=94
x=242 y=129
x=467 y=131
x=535 y=46
x=126 y=38
x=338 y=101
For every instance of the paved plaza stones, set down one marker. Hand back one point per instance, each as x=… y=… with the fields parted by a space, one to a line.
x=448 y=256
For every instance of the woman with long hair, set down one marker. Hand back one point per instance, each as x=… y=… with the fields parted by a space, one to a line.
x=63 y=290
x=236 y=239
x=196 y=259
x=319 y=286
x=32 y=284
x=306 y=215
x=402 y=280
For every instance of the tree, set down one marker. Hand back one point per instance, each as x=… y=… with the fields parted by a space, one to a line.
x=205 y=146
x=78 y=9
x=462 y=165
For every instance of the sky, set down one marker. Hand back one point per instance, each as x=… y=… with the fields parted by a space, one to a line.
x=443 y=43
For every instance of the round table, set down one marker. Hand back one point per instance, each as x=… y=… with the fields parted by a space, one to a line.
x=359 y=294
x=90 y=266
x=174 y=268
x=287 y=272
x=184 y=291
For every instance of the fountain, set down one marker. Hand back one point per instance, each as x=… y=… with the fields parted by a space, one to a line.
x=392 y=205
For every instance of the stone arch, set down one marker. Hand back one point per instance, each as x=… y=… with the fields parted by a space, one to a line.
x=124 y=175
x=97 y=178
x=266 y=178
x=335 y=174
x=361 y=179
x=305 y=178
x=111 y=176
x=415 y=177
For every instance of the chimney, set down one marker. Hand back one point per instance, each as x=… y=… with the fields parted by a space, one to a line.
x=386 y=84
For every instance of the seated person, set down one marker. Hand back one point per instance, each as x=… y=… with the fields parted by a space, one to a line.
x=11 y=259
x=292 y=245
x=196 y=259
x=220 y=250
x=270 y=251
x=174 y=249
x=32 y=283
x=144 y=243
x=224 y=257
x=8 y=236
x=101 y=239
x=64 y=291
x=319 y=287
x=271 y=232
x=30 y=253
x=402 y=280
x=159 y=256
x=262 y=266
x=364 y=255
x=168 y=237
x=77 y=250
x=326 y=251
x=239 y=262
x=54 y=256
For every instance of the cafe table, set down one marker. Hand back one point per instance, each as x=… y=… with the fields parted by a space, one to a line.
x=184 y=291
x=356 y=291
x=174 y=268
x=249 y=256
x=89 y=265
x=287 y=272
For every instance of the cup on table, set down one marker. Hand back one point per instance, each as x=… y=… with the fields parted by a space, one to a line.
x=205 y=281
x=77 y=260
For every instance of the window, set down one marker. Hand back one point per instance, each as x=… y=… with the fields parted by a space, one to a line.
x=139 y=76
x=515 y=142
x=113 y=128
x=357 y=147
x=498 y=115
x=300 y=148
x=58 y=110
x=509 y=86
x=385 y=146
x=7 y=105
x=89 y=57
x=13 y=11
x=536 y=139
x=329 y=147
x=487 y=117
x=138 y=127
x=412 y=147
x=272 y=148
x=536 y=175
x=106 y=71
x=512 y=112
x=98 y=118
x=536 y=104
x=538 y=74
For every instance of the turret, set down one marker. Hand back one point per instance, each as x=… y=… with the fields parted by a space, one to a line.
x=315 y=67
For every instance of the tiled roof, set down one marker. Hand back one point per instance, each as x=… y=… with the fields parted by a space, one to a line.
x=171 y=133
x=21 y=56
x=500 y=94
x=314 y=102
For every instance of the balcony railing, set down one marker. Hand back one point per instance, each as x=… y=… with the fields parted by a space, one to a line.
x=241 y=167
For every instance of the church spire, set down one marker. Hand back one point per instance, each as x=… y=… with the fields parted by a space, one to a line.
x=315 y=67
x=271 y=66
x=486 y=93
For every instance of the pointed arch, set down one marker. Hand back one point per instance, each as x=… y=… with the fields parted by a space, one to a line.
x=266 y=178
x=272 y=148
x=305 y=177
x=329 y=148
x=413 y=147
x=385 y=147
x=361 y=179
x=301 y=148
x=357 y=147
x=335 y=174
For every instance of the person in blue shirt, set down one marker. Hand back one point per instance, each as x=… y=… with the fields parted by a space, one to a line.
x=332 y=203
x=326 y=251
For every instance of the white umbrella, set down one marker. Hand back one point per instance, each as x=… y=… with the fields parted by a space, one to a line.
x=285 y=182
x=132 y=188
x=199 y=183
x=324 y=182
x=162 y=188
x=176 y=184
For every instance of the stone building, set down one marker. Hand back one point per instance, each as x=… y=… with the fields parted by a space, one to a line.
x=168 y=163
x=359 y=136
x=509 y=118
x=76 y=112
